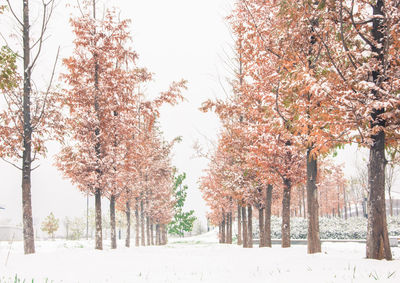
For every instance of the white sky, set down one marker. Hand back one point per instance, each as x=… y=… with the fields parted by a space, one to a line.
x=175 y=39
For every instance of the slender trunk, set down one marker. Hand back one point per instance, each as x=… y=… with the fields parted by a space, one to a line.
x=250 y=226
x=148 y=230
x=345 y=203
x=27 y=221
x=313 y=239
x=227 y=228
x=267 y=226
x=137 y=226
x=244 y=222
x=223 y=228
x=158 y=237
x=304 y=204
x=164 y=239
x=142 y=218
x=220 y=233
x=286 y=214
x=151 y=232
x=112 y=223
x=390 y=203
x=338 y=203
x=128 y=225
x=99 y=232
x=261 y=227
x=230 y=227
x=239 y=225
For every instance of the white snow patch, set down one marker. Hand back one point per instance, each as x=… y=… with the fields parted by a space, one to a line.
x=194 y=259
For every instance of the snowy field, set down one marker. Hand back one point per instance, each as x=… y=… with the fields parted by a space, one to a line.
x=189 y=260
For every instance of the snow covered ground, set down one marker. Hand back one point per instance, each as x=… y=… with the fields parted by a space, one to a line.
x=190 y=260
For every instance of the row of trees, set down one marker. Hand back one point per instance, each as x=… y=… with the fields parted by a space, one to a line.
x=310 y=76
x=111 y=144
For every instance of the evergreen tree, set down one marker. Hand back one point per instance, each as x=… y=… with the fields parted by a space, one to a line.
x=182 y=221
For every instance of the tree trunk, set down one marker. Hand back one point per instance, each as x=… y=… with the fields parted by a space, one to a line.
x=99 y=232
x=286 y=214
x=377 y=234
x=313 y=240
x=220 y=233
x=128 y=225
x=27 y=221
x=148 y=230
x=390 y=202
x=250 y=226
x=267 y=226
x=151 y=233
x=261 y=227
x=244 y=222
x=164 y=239
x=345 y=203
x=158 y=236
x=137 y=227
x=142 y=224
x=239 y=225
x=223 y=228
x=230 y=227
x=112 y=223
x=304 y=203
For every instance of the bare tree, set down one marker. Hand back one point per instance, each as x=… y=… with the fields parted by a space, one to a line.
x=30 y=113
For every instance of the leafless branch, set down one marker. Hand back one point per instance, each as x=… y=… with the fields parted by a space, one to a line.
x=13 y=13
x=47 y=91
x=11 y=164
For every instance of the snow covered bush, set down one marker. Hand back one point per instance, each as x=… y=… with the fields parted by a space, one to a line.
x=331 y=228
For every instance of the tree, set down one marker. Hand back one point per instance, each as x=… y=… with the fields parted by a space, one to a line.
x=50 y=225
x=31 y=115
x=182 y=221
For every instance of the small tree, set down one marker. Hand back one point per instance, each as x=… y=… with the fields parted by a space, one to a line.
x=183 y=221
x=50 y=225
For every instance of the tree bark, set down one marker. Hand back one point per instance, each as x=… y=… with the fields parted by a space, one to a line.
x=230 y=227
x=151 y=232
x=99 y=232
x=27 y=220
x=148 y=230
x=261 y=227
x=137 y=227
x=128 y=225
x=239 y=225
x=250 y=226
x=158 y=236
x=286 y=214
x=313 y=239
x=142 y=224
x=378 y=246
x=112 y=223
x=345 y=203
x=223 y=241
x=244 y=222
x=267 y=226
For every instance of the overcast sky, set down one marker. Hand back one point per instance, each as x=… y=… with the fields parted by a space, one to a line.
x=175 y=39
